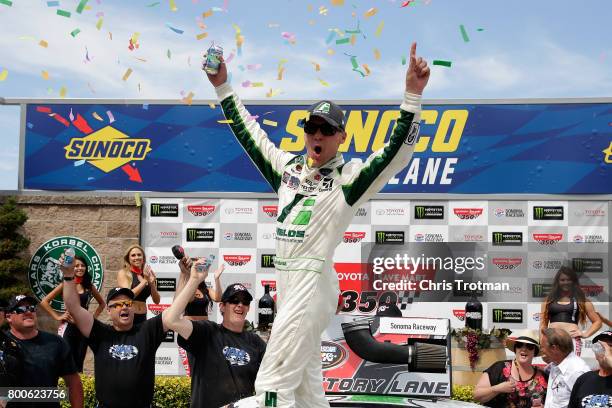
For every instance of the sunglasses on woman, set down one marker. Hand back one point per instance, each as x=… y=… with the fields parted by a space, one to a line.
x=528 y=346
x=326 y=129
x=23 y=309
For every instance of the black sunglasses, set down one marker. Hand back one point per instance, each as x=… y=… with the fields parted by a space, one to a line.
x=23 y=309
x=528 y=346
x=235 y=301
x=326 y=129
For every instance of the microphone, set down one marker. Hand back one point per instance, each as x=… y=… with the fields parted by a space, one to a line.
x=178 y=252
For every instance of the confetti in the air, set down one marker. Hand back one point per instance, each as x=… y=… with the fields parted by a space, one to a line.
x=3 y=74
x=442 y=63
x=45 y=75
x=464 y=33
x=323 y=82
x=371 y=12
x=225 y=121
x=75 y=32
x=6 y=3
x=81 y=6
x=376 y=54
x=323 y=10
x=63 y=13
x=379 y=29
x=176 y=30
x=62 y=92
x=43 y=43
x=270 y=122
x=97 y=117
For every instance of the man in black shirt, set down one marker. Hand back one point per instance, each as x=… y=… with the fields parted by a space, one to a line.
x=226 y=358
x=124 y=353
x=44 y=357
x=594 y=389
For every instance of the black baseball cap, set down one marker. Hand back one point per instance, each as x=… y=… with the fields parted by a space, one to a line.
x=114 y=292
x=235 y=289
x=15 y=300
x=328 y=111
x=604 y=334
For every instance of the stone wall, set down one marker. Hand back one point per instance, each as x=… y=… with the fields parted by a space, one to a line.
x=109 y=223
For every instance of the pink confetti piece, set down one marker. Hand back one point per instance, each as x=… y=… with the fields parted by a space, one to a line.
x=111 y=118
x=253 y=67
x=71 y=115
x=246 y=84
x=230 y=58
x=253 y=117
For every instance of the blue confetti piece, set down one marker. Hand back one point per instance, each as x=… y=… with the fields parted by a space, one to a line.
x=90 y=178
x=52 y=3
x=330 y=37
x=79 y=163
x=176 y=30
x=30 y=125
x=145 y=106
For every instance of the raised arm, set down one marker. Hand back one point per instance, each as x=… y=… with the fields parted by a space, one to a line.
x=265 y=155
x=82 y=318
x=185 y=268
x=172 y=316
x=215 y=294
x=363 y=181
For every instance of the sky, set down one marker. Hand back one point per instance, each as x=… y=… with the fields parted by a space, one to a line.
x=497 y=50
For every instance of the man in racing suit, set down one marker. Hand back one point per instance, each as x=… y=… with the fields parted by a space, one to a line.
x=318 y=195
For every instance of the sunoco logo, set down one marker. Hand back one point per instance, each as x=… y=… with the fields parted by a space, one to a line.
x=547 y=239
x=587 y=264
x=332 y=355
x=467 y=213
x=390 y=237
x=507 y=263
x=270 y=210
x=201 y=210
x=267 y=260
x=107 y=149
x=353 y=237
x=429 y=212
x=507 y=316
x=44 y=275
x=237 y=260
x=540 y=290
x=164 y=210
x=200 y=234
x=507 y=238
x=547 y=213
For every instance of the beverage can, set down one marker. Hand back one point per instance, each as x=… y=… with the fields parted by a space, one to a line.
x=69 y=254
x=208 y=261
x=212 y=59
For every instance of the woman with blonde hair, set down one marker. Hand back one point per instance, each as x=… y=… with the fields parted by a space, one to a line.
x=138 y=276
x=566 y=307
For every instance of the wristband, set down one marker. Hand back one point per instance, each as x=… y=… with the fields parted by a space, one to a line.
x=68 y=278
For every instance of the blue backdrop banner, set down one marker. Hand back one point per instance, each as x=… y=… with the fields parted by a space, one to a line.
x=471 y=148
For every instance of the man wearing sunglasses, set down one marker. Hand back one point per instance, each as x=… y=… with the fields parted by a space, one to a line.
x=318 y=193
x=225 y=357
x=124 y=353
x=45 y=357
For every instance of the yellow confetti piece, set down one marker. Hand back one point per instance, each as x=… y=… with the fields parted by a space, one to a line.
x=127 y=74
x=323 y=82
x=323 y=10
x=310 y=7
x=270 y=122
x=188 y=99
x=339 y=32
x=140 y=59
x=135 y=37
x=353 y=39
x=137 y=199
x=226 y=121
x=256 y=84
x=200 y=36
x=3 y=74
x=45 y=75
x=207 y=13
x=281 y=71
x=97 y=117
x=99 y=23
x=379 y=29
x=63 y=91
x=173 y=5
x=272 y=93
x=376 y=54
x=236 y=28
x=371 y=12
x=212 y=105
x=317 y=67
x=43 y=43
x=337 y=2
x=367 y=69
x=88 y=7
x=330 y=51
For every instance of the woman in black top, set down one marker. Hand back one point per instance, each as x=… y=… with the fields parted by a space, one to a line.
x=566 y=308
x=68 y=330
x=137 y=275
x=202 y=302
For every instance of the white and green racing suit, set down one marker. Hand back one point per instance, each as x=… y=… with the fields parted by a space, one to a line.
x=316 y=205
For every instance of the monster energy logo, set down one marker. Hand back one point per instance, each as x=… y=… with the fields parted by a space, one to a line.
x=390 y=237
x=270 y=399
x=164 y=210
x=540 y=290
x=419 y=212
x=587 y=264
x=547 y=213
x=380 y=237
x=267 y=261
x=431 y=212
x=507 y=238
x=200 y=234
x=507 y=316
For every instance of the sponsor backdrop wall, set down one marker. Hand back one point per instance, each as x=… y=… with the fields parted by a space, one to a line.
x=527 y=242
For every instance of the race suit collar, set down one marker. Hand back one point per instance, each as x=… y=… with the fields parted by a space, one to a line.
x=332 y=163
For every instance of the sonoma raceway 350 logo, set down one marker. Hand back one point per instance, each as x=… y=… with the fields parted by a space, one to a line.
x=44 y=274
x=354 y=236
x=237 y=260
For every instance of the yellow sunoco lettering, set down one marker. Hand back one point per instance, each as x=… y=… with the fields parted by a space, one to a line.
x=428 y=117
x=294 y=144
x=440 y=143
x=357 y=130
x=383 y=128
x=74 y=149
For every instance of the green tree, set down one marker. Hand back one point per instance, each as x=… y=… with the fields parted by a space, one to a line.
x=13 y=269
